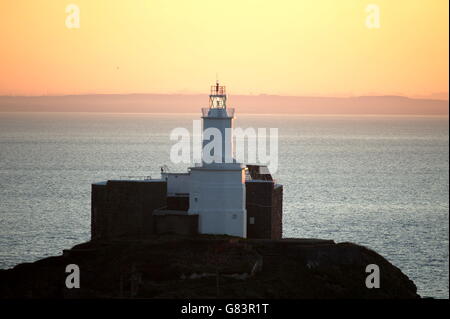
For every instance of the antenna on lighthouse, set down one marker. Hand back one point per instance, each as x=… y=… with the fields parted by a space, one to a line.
x=217 y=83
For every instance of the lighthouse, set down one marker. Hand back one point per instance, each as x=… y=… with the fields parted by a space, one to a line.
x=219 y=195
x=217 y=186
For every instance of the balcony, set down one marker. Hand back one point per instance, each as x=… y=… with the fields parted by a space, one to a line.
x=217 y=112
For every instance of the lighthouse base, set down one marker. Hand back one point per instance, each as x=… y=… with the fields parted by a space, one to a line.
x=220 y=222
x=217 y=196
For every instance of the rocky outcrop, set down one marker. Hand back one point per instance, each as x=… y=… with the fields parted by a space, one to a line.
x=209 y=267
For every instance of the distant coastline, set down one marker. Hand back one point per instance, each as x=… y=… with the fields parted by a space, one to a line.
x=256 y=104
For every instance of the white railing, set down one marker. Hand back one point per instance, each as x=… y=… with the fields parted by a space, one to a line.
x=205 y=111
x=230 y=112
x=220 y=111
x=140 y=177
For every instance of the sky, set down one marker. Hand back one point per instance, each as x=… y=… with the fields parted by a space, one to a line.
x=301 y=48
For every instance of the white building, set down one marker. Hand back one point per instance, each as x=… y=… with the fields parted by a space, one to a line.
x=216 y=188
x=217 y=196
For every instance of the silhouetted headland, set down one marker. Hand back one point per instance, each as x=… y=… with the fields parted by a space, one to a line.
x=205 y=266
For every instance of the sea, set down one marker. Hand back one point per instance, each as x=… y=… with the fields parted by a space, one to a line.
x=377 y=181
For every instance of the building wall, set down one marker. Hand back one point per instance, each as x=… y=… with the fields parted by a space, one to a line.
x=181 y=224
x=178 y=203
x=177 y=183
x=217 y=120
x=277 y=212
x=99 y=217
x=264 y=209
x=123 y=209
x=218 y=197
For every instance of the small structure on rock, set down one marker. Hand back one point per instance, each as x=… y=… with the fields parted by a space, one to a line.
x=219 y=196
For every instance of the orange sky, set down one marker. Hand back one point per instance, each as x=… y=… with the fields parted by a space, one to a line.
x=296 y=47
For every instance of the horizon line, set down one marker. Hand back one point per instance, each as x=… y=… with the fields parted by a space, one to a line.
x=259 y=94
x=246 y=113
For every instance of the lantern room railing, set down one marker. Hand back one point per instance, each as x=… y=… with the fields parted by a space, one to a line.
x=218 y=90
x=211 y=112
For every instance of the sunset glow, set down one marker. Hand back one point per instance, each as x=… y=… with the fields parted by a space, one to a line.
x=321 y=48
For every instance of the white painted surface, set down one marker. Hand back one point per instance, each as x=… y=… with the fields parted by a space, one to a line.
x=216 y=190
x=177 y=183
x=218 y=197
x=221 y=119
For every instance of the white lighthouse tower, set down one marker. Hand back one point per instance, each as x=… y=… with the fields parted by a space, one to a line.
x=217 y=186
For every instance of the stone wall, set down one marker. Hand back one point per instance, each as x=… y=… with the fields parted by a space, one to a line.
x=264 y=209
x=175 y=222
x=178 y=202
x=123 y=209
x=277 y=212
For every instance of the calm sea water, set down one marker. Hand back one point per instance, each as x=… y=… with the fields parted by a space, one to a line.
x=376 y=181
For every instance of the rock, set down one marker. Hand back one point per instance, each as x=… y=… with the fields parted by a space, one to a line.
x=209 y=267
